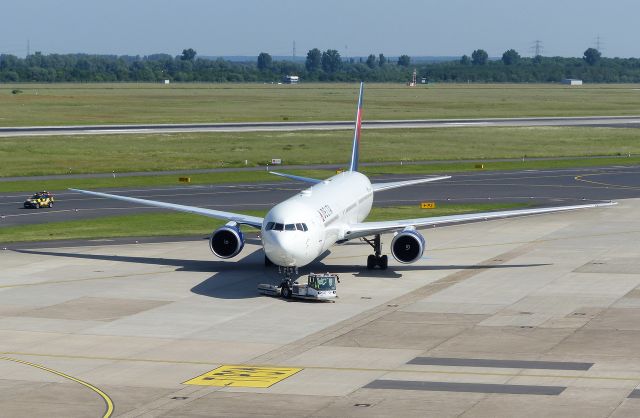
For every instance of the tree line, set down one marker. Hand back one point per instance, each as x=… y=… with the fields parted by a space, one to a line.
x=318 y=66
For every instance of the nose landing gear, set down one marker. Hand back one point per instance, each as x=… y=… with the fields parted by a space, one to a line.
x=377 y=259
x=290 y=276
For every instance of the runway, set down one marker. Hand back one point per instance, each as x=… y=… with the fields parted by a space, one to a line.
x=594 y=121
x=540 y=187
x=521 y=317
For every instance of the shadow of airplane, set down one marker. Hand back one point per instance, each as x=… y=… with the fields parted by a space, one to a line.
x=239 y=279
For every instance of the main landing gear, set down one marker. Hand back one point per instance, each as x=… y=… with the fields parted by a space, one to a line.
x=376 y=260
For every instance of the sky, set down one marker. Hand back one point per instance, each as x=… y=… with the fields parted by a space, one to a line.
x=353 y=27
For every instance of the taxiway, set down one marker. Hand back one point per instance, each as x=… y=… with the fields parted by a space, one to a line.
x=566 y=186
x=521 y=317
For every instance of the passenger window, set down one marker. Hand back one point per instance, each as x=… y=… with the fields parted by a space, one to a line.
x=299 y=227
x=279 y=227
x=269 y=226
x=290 y=227
x=305 y=227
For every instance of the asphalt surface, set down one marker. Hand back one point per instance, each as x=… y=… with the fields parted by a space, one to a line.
x=540 y=187
x=599 y=121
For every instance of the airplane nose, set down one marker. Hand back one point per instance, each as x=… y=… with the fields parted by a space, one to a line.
x=284 y=249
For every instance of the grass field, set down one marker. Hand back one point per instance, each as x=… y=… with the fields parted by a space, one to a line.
x=167 y=224
x=29 y=156
x=67 y=104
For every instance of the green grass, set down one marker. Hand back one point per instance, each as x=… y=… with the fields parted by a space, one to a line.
x=167 y=224
x=30 y=156
x=65 y=104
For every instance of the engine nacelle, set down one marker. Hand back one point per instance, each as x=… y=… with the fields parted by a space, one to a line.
x=227 y=241
x=408 y=246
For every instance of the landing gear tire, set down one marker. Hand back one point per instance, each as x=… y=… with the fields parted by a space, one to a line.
x=384 y=262
x=376 y=260
x=286 y=291
x=371 y=261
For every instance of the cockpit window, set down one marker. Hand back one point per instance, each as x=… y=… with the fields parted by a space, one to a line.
x=273 y=226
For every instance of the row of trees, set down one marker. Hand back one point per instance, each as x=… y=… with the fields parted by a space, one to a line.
x=319 y=66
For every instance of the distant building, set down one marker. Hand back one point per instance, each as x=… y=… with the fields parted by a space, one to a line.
x=572 y=82
x=291 y=79
x=167 y=81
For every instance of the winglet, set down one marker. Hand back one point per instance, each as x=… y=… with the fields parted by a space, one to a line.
x=355 y=152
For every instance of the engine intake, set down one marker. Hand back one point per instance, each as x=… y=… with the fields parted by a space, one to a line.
x=227 y=242
x=408 y=246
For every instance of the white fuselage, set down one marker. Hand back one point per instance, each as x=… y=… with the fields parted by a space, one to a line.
x=298 y=230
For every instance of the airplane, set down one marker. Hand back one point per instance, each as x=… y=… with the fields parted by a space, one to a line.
x=300 y=229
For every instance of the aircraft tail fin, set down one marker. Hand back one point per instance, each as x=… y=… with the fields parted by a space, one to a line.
x=355 y=152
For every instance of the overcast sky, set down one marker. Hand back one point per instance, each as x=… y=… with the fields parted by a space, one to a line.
x=353 y=27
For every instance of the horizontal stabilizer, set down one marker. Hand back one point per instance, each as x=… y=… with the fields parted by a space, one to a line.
x=377 y=187
x=298 y=178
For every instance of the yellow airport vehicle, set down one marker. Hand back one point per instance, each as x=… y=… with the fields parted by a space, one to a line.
x=39 y=200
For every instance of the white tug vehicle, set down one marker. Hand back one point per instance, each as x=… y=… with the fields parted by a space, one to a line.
x=321 y=287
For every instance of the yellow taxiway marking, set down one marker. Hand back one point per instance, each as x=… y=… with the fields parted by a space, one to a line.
x=600 y=183
x=243 y=376
x=107 y=400
x=629 y=378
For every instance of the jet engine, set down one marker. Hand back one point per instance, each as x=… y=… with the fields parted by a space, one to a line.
x=227 y=242
x=408 y=245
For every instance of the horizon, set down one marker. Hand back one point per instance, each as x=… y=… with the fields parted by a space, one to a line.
x=356 y=28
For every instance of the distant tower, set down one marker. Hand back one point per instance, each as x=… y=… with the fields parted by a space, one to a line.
x=294 y=50
x=28 y=47
x=599 y=43
x=537 y=48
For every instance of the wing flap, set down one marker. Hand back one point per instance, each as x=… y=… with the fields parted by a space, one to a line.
x=253 y=221
x=370 y=228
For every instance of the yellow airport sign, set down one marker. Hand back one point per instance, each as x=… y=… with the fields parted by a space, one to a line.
x=243 y=376
x=479 y=165
x=185 y=179
x=428 y=205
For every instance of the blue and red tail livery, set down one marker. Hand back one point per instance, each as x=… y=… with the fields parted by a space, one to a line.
x=355 y=152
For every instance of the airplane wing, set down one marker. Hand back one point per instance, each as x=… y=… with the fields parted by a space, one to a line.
x=298 y=178
x=253 y=221
x=371 y=228
x=377 y=187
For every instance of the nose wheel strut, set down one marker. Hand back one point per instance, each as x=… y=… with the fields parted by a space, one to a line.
x=376 y=260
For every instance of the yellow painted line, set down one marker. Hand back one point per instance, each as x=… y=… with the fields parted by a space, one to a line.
x=339 y=369
x=107 y=400
x=243 y=376
x=600 y=183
